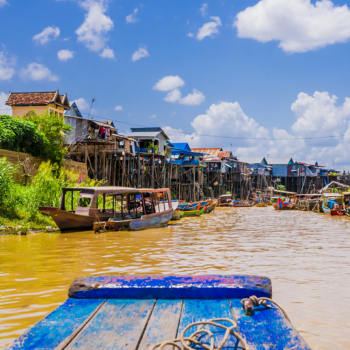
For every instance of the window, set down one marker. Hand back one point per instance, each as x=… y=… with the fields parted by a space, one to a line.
x=84 y=202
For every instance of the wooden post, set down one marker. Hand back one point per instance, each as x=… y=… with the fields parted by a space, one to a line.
x=86 y=153
x=194 y=184
x=104 y=165
x=95 y=161
x=152 y=181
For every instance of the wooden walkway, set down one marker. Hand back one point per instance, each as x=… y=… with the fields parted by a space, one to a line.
x=137 y=324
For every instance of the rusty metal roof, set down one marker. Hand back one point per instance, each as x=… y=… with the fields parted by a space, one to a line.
x=213 y=152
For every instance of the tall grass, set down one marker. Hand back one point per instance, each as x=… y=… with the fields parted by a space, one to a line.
x=20 y=203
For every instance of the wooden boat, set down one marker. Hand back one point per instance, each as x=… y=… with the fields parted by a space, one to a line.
x=197 y=212
x=211 y=206
x=138 y=312
x=333 y=204
x=225 y=200
x=89 y=211
x=283 y=205
x=261 y=205
x=191 y=206
x=177 y=215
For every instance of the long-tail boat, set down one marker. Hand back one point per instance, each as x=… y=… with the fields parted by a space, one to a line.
x=141 y=312
x=333 y=204
x=211 y=206
x=261 y=205
x=241 y=205
x=225 y=200
x=196 y=212
x=98 y=204
x=283 y=205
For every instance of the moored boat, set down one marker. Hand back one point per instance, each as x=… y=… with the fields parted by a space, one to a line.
x=333 y=204
x=197 y=212
x=210 y=208
x=241 y=205
x=283 y=205
x=140 y=312
x=224 y=200
x=261 y=205
x=97 y=206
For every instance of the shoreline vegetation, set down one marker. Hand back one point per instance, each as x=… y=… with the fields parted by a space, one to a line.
x=20 y=202
x=41 y=136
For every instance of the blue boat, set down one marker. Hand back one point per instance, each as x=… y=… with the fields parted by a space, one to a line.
x=138 y=312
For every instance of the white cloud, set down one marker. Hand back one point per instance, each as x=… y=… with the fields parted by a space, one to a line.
x=49 y=33
x=82 y=104
x=209 y=28
x=4 y=109
x=107 y=53
x=37 y=72
x=132 y=17
x=298 y=25
x=65 y=55
x=153 y=116
x=92 y=33
x=203 y=9
x=3 y=3
x=140 y=53
x=6 y=66
x=118 y=108
x=190 y=34
x=173 y=95
x=319 y=114
x=196 y=98
x=168 y=83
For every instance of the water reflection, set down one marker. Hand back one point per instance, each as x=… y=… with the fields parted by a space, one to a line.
x=306 y=255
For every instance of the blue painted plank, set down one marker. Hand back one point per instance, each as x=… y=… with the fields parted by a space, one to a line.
x=267 y=329
x=56 y=329
x=118 y=325
x=170 y=287
x=195 y=310
x=163 y=324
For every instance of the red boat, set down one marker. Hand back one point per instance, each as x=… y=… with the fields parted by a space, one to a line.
x=283 y=205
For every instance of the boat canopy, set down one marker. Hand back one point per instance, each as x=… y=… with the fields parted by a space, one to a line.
x=332 y=195
x=104 y=189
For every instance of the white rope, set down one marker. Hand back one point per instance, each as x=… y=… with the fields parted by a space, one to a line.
x=185 y=343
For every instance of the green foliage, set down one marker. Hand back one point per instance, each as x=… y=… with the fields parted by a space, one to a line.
x=56 y=130
x=281 y=187
x=150 y=146
x=7 y=174
x=21 y=136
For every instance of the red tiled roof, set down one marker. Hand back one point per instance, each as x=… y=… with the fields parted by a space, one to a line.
x=37 y=99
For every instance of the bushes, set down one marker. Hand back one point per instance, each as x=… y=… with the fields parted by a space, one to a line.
x=7 y=174
x=22 y=136
x=39 y=135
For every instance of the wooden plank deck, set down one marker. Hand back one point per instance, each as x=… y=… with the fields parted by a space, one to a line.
x=137 y=324
x=100 y=316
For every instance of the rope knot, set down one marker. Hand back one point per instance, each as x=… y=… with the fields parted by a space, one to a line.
x=249 y=303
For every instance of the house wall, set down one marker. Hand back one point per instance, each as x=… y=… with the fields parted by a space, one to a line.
x=20 y=111
x=279 y=170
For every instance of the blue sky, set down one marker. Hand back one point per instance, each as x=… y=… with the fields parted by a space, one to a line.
x=270 y=71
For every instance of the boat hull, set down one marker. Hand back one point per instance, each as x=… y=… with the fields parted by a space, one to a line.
x=329 y=211
x=209 y=209
x=193 y=213
x=69 y=221
x=241 y=205
x=284 y=206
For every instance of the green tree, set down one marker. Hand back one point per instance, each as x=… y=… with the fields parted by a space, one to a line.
x=56 y=131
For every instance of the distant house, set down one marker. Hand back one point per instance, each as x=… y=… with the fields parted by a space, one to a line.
x=148 y=137
x=302 y=169
x=257 y=165
x=279 y=165
x=39 y=102
x=181 y=154
x=85 y=129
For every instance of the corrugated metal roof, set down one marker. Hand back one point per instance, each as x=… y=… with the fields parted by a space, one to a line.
x=251 y=160
x=225 y=154
x=144 y=134
x=279 y=160
x=213 y=152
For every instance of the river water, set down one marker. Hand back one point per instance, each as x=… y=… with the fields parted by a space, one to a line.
x=306 y=255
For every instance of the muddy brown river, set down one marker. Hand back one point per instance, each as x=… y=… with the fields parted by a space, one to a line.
x=306 y=255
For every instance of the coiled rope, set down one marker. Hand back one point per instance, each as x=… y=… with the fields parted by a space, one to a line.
x=186 y=343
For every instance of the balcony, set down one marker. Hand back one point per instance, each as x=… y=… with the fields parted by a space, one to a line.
x=145 y=150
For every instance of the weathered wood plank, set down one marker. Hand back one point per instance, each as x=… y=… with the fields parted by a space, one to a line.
x=267 y=328
x=118 y=325
x=56 y=329
x=195 y=310
x=170 y=287
x=163 y=324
